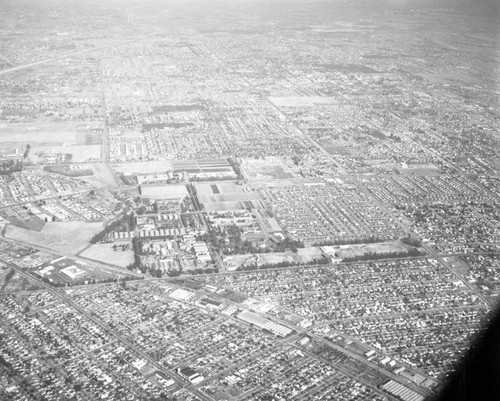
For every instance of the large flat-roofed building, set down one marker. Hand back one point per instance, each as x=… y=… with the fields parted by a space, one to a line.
x=264 y=323
x=402 y=392
x=73 y=272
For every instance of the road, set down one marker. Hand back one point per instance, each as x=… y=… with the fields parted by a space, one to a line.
x=106 y=266
x=47 y=60
x=152 y=30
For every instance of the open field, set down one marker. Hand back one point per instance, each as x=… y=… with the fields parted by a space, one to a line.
x=349 y=251
x=309 y=254
x=102 y=175
x=304 y=255
x=10 y=281
x=33 y=223
x=80 y=153
x=47 y=137
x=268 y=169
x=234 y=261
x=278 y=257
x=68 y=236
x=105 y=253
x=48 y=133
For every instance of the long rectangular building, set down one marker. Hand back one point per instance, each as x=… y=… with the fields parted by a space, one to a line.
x=264 y=323
x=402 y=392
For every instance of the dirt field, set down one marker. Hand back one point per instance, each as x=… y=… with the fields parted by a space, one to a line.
x=102 y=175
x=310 y=253
x=303 y=255
x=105 y=253
x=234 y=261
x=80 y=153
x=68 y=236
x=38 y=133
x=357 y=250
x=268 y=169
x=278 y=257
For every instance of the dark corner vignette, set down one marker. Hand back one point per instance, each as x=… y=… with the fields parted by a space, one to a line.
x=477 y=375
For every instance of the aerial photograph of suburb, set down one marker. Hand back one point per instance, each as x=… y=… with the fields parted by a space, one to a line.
x=249 y=200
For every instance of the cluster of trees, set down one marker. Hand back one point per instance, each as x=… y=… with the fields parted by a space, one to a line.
x=384 y=255
x=66 y=171
x=156 y=272
x=236 y=167
x=229 y=242
x=194 y=196
x=204 y=271
x=91 y=281
x=7 y=278
x=126 y=222
x=10 y=166
x=282 y=265
x=128 y=180
x=208 y=179
x=287 y=243
x=351 y=241
x=408 y=240
x=27 y=151
x=174 y=273
x=137 y=264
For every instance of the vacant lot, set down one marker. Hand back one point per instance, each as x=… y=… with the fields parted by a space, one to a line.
x=349 y=251
x=278 y=257
x=105 y=253
x=309 y=254
x=68 y=236
x=268 y=169
x=37 y=133
x=79 y=153
x=102 y=175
